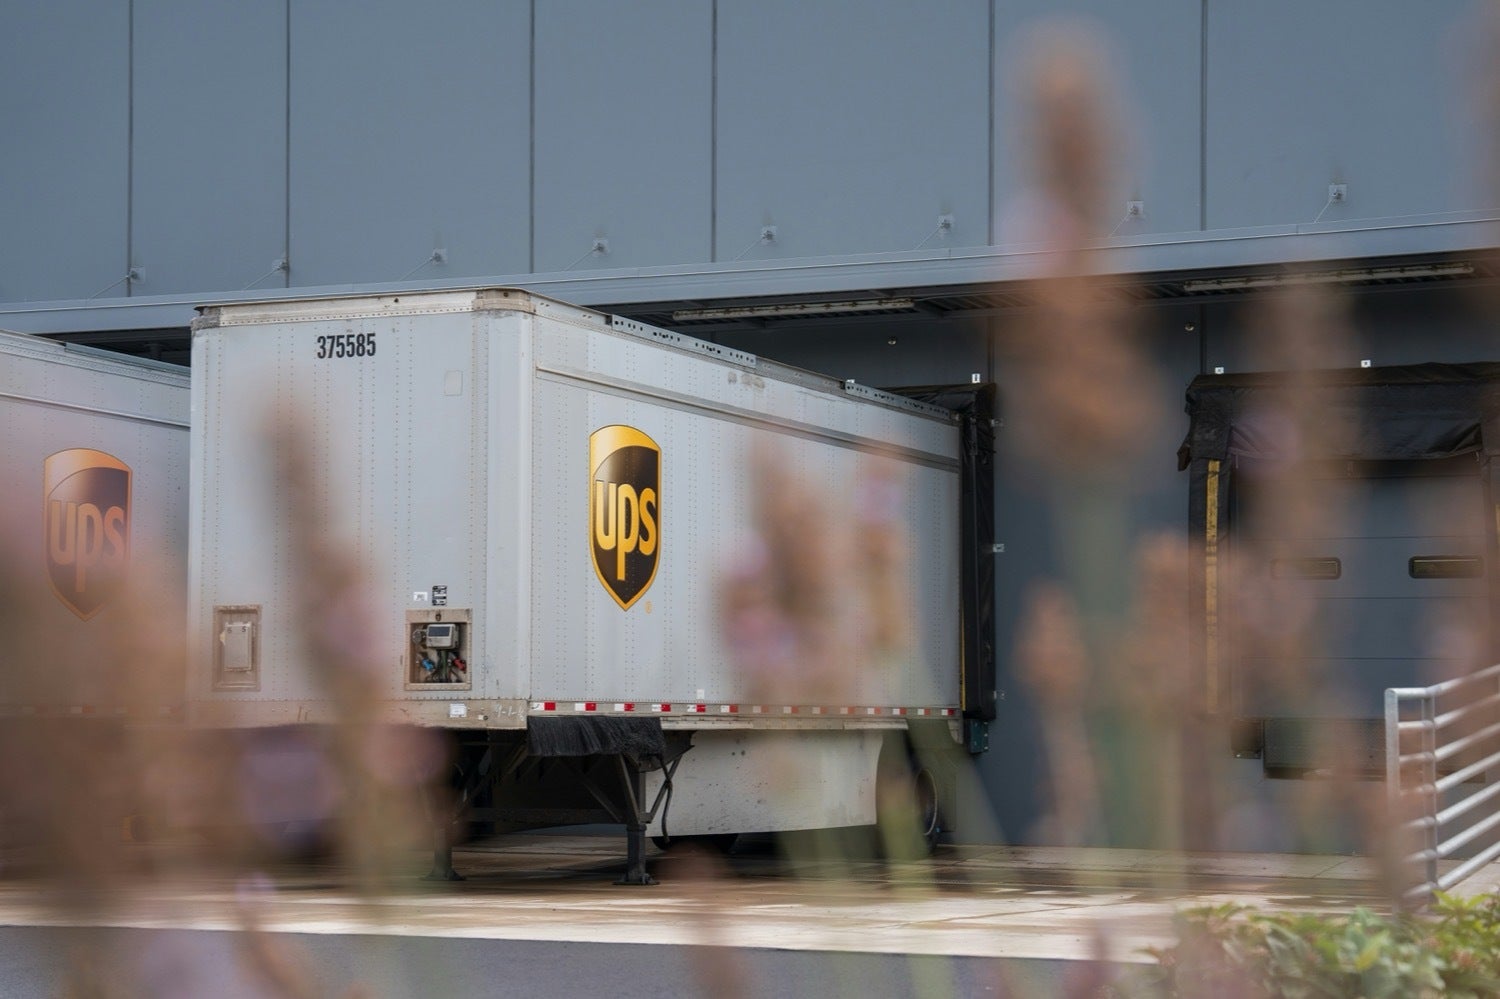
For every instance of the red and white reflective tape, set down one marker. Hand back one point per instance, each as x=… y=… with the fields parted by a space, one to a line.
x=696 y=708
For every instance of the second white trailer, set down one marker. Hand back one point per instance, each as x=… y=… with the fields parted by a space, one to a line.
x=93 y=527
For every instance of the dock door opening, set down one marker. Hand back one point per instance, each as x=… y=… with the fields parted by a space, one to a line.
x=1346 y=530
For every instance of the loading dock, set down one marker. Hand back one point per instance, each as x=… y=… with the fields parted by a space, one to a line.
x=1344 y=547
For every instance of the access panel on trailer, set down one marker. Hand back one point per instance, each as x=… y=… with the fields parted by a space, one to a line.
x=1345 y=547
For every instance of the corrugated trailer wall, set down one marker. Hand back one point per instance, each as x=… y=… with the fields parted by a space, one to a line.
x=455 y=440
x=730 y=438
x=93 y=520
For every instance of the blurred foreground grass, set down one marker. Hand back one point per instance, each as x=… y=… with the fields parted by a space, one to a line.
x=1232 y=951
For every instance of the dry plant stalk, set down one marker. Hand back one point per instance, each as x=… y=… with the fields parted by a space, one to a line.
x=717 y=963
x=387 y=775
x=1306 y=333
x=1090 y=390
x=1089 y=395
x=1155 y=688
x=817 y=610
x=817 y=593
x=1053 y=663
x=68 y=784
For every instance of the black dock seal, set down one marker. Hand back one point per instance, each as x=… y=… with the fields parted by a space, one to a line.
x=975 y=406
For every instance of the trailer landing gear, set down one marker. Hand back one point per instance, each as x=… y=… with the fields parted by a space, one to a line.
x=635 y=857
x=442 y=865
x=564 y=771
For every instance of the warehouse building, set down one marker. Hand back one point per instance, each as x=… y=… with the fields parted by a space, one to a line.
x=867 y=191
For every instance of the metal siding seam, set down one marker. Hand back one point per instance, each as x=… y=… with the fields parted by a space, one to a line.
x=1203 y=119
x=531 y=162
x=479 y=493
x=990 y=220
x=713 y=134
x=286 y=155
x=1211 y=588
x=129 y=145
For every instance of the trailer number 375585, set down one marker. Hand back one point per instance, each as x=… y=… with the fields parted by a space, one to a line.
x=347 y=345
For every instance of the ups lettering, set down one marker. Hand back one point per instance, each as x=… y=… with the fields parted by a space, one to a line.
x=85 y=527
x=624 y=522
x=82 y=536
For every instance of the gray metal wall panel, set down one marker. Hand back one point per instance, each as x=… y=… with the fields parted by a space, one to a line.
x=1346 y=91
x=851 y=131
x=623 y=123
x=1156 y=57
x=64 y=108
x=209 y=177
x=409 y=132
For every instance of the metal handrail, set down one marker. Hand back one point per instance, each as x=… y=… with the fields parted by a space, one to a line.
x=1432 y=825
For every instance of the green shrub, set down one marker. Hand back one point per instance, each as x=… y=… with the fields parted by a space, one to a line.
x=1232 y=951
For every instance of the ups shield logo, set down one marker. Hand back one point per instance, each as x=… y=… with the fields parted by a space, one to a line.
x=86 y=517
x=624 y=510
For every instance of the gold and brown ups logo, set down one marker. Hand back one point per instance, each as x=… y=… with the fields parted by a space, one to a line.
x=86 y=516
x=624 y=510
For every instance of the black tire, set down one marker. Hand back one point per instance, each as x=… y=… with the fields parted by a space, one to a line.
x=929 y=814
x=908 y=806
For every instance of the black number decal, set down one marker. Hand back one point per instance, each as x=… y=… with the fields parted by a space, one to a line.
x=347 y=345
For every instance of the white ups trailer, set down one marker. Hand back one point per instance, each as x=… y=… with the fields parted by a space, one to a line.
x=93 y=528
x=93 y=558
x=638 y=576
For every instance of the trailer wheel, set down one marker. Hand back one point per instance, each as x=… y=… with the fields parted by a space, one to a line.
x=720 y=843
x=907 y=804
x=929 y=822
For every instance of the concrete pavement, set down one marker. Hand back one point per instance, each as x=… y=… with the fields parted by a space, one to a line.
x=988 y=902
